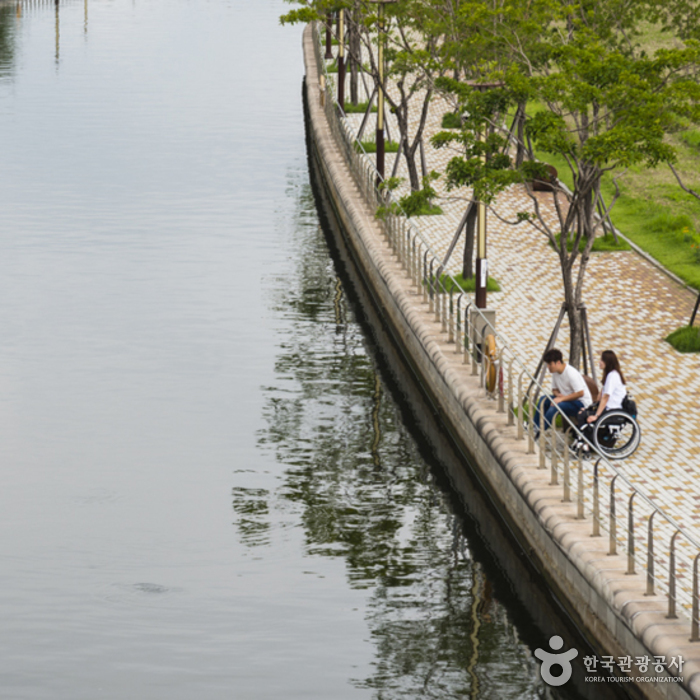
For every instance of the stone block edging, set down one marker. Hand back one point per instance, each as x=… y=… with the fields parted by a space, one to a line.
x=608 y=604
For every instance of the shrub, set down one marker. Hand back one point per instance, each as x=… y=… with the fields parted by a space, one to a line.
x=691 y=138
x=466 y=285
x=601 y=244
x=686 y=339
x=359 y=108
x=371 y=146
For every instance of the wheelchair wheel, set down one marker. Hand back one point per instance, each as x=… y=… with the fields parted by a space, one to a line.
x=617 y=434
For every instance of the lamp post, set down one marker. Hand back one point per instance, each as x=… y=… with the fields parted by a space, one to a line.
x=380 y=91
x=482 y=263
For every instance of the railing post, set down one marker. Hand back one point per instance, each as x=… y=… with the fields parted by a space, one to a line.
x=613 y=519
x=543 y=442
x=650 y=555
x=406 y=246
x=554 y=476
x=451 y=334
x=580 y=514
x=567 y=474
x=630 y=535
x=530 y=427
x=431 y=283
x=411 y=257
x=458 y=322
x=521 y=407
x=695 y=620
x=405 y=234
x=465 y=341
x=425 y=278
x=499 y=384
x=510 y=392
x=438 y=298
x=672 y=578
x=596 y=503
x=484 y=360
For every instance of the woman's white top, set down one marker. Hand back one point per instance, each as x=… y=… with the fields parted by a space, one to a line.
x=615 y=390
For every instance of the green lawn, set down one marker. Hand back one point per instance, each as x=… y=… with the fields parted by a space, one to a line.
x=654 y=213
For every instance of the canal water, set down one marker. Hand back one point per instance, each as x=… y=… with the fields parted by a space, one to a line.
x=216 y=480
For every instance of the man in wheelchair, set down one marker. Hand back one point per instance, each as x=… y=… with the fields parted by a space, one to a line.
x=611 y=424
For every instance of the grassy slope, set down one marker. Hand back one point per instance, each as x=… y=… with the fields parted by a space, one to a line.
x=653 y=211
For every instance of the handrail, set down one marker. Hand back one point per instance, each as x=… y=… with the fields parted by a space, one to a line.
x=414 y=251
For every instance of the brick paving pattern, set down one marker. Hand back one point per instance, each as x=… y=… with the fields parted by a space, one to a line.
x=631 y=305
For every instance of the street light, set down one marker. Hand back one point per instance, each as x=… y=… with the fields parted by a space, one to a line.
x=482 y=263
x=380 y=92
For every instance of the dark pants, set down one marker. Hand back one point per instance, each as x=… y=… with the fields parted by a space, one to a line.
x=546 y=405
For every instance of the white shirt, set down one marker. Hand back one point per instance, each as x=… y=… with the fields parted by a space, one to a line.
x=571 y=381
x=615 y=390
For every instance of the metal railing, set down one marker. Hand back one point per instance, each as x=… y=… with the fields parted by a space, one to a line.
x=597 y=488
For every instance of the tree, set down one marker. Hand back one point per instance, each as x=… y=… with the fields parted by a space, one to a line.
x=412 y=52
x=603 y=105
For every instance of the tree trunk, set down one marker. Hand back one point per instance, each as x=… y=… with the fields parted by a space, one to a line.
x=355 y=57
x=468 y=259
x=576 y=338
x=573 y=293
x=410 y=153
x=520 y=135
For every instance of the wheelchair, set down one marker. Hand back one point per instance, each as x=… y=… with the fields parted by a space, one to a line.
x=616 y=434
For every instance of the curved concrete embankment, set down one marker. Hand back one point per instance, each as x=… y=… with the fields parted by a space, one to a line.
x=607 y=604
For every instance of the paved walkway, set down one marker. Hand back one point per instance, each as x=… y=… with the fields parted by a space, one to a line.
x=632 y=306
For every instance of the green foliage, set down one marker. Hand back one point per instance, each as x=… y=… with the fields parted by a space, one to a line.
x=601 y=244
x=450 y=120
x=686 y=339
x=465 y=285
x=359 y=108
x=691 y=137
x=371 y=146
x=303 y=15
x=419 y=203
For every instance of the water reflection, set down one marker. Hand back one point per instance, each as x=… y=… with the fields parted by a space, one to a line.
x=364 y=493
x=9 y=15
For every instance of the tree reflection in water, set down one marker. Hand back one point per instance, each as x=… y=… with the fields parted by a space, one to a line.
x=8 y=20
x=364 y=493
